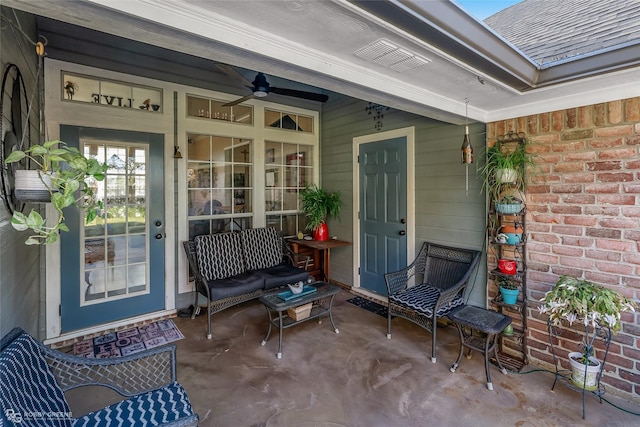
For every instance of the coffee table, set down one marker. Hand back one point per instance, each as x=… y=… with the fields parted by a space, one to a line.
x=277 y=309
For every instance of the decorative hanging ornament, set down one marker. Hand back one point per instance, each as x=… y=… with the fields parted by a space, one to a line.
x=467 y=149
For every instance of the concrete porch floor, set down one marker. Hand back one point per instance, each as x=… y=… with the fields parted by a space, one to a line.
x=358 y=378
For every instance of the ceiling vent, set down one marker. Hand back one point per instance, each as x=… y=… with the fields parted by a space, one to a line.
x=391 y=56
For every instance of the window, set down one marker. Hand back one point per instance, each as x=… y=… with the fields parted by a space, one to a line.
x=219 y=184
x=288 y=169
x=290 y=121
x=213 y=109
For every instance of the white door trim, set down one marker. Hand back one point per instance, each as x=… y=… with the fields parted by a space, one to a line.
x=409 y=134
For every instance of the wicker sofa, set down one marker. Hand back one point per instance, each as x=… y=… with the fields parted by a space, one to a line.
x=34 y=378
x=430 y=287
x=234 y=267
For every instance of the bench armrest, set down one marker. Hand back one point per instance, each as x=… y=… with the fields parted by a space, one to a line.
x=127 y=375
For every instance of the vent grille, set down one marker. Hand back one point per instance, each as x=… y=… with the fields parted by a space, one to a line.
x=391 y=56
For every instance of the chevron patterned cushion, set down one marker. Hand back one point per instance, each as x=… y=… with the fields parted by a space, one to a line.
x=262 y=247
x=154 y=408
x=219 y=255
x=30 y=394
x=423 y=298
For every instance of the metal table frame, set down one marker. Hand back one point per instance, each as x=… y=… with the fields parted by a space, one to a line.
x=277 y=307
x=490 y=323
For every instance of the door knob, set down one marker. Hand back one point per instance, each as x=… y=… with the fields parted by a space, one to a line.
x=402 y=232
x=159 y=236
x=403 y=221
x=158 y=223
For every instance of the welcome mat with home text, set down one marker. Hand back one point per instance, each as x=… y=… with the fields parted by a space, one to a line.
x=129 y=341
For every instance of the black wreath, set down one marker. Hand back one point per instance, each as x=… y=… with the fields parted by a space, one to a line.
x=12 y=128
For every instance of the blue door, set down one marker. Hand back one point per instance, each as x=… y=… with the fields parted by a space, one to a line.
x=113 y=268
x=383 y=211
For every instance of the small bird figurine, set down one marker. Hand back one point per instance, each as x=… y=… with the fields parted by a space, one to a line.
x=297 y=288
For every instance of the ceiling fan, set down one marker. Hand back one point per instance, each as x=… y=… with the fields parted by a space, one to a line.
x=261 y=88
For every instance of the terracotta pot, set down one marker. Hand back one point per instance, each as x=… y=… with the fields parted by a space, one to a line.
x=511 y=229
x=321 y=232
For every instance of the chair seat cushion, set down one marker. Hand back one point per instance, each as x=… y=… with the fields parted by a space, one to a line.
x=423 y=298
x=154 y=408
x=240 y=284
x=283 y=274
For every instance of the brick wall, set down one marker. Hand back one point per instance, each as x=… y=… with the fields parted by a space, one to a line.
x=583 y=219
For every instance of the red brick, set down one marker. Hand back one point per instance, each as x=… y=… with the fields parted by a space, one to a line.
x=619 y=223
x=615 y=177
x=567 y=230
x=602 y=210
x=604 y=166
x=550 y=219
x=620 y=269
x=557 y=120
x=539 y=247
x=614 y=130
x=633 y=140
x=603 y=255
x=571 y=118
x=580 y=220
x=631 y=212
x=566 y=271
x=560 y=147
x=632 y=258
x=632 y=282
x=584 y=117
x=577 y=241
x=632 y=110
x=614 y=245
x=617 y=154
x=568 y=167
x=599 y=114
x=617 y=200
x=615 y=111
x=602 y=278
x=566 y=188
x=603 y=233
x=582 y=156
x=631 y=188
x=533 y=227
x=543 y=140
x=583 y=263
x=632 y=164
x=537 y=208
x=545 y=238
x=634 y=377
x=602 y=188
x=546 y=259
x=582 y=199
x=632 y=235
x=542 y=197
x=617 y=383
x=532 y=125
x=565 y=209
x=606 y=143
x=580 y=177
x=545 y=122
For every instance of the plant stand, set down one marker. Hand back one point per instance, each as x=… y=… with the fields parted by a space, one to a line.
x=599 y=332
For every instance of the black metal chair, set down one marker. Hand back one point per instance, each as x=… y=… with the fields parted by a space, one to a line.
x=430 y=287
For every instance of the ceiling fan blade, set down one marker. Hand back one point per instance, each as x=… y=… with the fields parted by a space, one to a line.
x=233 y=73
x=238 y=101
x=299 y=94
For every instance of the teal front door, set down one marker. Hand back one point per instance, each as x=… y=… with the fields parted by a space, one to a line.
x=113 y=268
x=383 y=211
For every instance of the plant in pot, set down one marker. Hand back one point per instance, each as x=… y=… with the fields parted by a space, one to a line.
x=509 y=290
x=505 y=167
x=578 y=300
x=319 y=205
x=66 y=176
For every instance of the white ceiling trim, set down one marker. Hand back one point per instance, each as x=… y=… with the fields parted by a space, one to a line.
x=186 y=17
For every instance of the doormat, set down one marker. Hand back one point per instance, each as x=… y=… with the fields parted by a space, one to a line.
x=129 y=341
x=371 y=306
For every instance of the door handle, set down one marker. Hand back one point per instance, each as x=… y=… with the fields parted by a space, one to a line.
x=159 y=236
x=402 y=232
x=403 y=221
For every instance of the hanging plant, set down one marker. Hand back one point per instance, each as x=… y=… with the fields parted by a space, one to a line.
x=71 y=174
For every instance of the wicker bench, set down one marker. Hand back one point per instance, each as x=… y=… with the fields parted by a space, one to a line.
x=430 y=287
x=34 y=378
x=234 y=267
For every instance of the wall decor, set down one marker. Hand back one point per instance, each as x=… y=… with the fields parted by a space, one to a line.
x=376 y=110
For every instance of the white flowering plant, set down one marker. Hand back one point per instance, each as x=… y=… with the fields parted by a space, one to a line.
x=579 y=300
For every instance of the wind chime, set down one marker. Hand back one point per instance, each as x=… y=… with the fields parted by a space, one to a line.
x=467 y=149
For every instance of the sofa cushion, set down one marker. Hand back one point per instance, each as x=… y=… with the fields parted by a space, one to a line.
x=157 y=407
x=283 y=274
x=423 y=298
x=219 y=255
x=262 y=247
x=240 y=284
x=30 y=393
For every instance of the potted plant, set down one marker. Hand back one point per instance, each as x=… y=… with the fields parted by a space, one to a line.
x=508 y=289
x=319 y=205
x=579 y=300
x=505 y=167
x=64 y=171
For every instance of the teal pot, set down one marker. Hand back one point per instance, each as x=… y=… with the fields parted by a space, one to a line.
x=509 y=296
